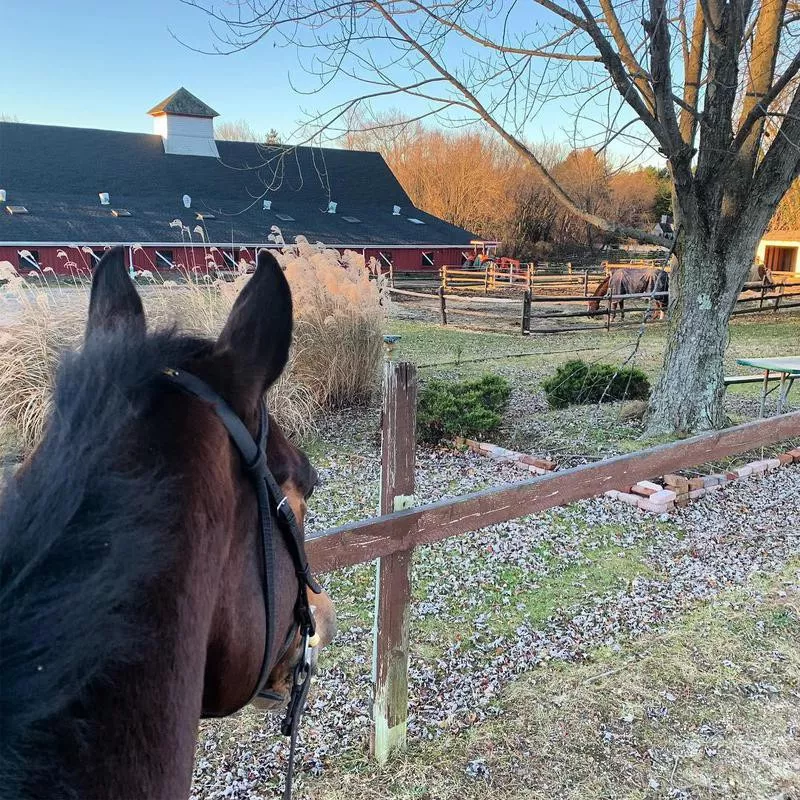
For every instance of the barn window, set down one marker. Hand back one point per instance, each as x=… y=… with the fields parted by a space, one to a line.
x=27 y=260
x=428 y=259
x=386 y=258
x=165 y=258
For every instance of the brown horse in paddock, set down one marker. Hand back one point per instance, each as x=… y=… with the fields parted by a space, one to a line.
x=145 y=578
x=633 y=281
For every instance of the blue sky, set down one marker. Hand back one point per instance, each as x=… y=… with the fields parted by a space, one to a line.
x=104 y=63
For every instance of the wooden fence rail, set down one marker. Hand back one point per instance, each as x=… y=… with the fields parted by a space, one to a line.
x=391 y=538
x=754 y=294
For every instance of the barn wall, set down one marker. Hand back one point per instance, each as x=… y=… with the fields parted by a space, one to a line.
x=410 y=259
x=74 y=261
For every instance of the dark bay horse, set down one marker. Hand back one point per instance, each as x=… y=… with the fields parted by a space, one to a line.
x=133 y=592
x=632 y=281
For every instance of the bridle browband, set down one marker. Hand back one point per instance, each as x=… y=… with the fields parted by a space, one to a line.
x=272 y=503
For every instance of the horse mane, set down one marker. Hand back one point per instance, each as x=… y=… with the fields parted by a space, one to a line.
x=81 y=533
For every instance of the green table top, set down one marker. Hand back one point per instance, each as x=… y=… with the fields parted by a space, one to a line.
x=784 y=364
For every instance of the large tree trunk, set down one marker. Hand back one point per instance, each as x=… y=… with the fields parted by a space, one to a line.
x=703 y=292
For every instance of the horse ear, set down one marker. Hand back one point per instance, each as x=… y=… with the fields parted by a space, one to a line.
x=258 y=332
x=114 y=301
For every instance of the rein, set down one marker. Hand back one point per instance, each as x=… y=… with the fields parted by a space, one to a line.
x=272 y=504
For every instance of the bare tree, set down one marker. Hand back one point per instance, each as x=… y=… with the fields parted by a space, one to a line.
x=698 y=81
x=241 y=131
x=787 y=217
x=463 y=177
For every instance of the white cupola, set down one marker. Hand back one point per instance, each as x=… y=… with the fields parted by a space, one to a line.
x=186 y=124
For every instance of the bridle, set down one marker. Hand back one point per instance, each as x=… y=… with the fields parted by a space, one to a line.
x=272 y=504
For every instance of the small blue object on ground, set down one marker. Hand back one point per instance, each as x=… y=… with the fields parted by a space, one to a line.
x=391 y=339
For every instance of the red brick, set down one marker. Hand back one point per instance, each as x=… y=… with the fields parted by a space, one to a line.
x=664 y=496
x=542 y=463
x=630 y=499
x=646 y=488
x=676 y=481
x=657 y=508
x=785 y=459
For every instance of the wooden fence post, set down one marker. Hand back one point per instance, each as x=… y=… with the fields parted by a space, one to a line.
x=444 y=278
x=763 y=292
x=526 y=312
x=486 y=280
x=393 y=573
x=443 y=305
x=586 y=283
x=608 y=312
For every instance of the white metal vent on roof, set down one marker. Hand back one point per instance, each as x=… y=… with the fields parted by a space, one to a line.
x=267 y=205
x=332 y=207
x=395 y=211
x=16 y=209
x=416 y=221
x=351 y=219
x=2 y=195
x=120 y=212
x=104 y=198
x=285 y=218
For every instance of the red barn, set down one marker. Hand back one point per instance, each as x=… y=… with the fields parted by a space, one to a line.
x=179 y=198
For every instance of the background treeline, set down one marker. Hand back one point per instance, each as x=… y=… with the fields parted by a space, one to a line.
x=475 y=180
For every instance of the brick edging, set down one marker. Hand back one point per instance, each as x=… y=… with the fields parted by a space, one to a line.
x=675 y=490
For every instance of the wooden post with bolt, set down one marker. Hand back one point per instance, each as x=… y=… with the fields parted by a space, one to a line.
x=393 y=573
x=443 y=305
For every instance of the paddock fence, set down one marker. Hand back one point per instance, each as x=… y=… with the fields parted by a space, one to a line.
x=560 y=305
x=390 y=538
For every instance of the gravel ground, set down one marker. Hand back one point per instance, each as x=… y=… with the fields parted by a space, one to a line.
x=493 y=604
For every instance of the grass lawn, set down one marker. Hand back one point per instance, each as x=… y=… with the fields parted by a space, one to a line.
x=708 y=708
x=583 y=433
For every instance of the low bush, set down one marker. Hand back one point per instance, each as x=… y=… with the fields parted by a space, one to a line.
x=579 y=383
x=470 y=408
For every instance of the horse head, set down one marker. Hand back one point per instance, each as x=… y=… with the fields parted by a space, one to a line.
x=134 y=536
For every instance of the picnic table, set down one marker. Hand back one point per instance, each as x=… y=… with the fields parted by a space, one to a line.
x=787 y=367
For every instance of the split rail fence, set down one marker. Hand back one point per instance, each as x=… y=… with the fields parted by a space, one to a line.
x=391 y=538
x=522 y=312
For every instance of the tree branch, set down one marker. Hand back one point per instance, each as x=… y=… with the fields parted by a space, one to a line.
x=760 y=108
x=517 y=144
x=693 y=70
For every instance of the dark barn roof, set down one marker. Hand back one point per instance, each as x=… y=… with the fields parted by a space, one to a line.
x=57 y=174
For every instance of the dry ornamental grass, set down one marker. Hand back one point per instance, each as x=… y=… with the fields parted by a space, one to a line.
x=335 y=359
